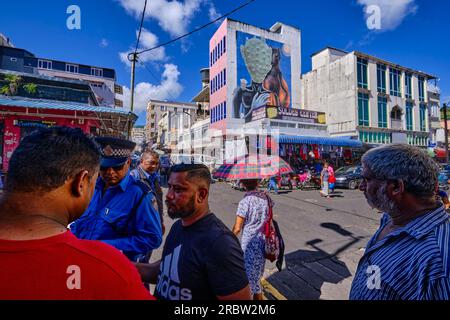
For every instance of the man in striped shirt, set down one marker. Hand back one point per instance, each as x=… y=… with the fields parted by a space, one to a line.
x=408 y=258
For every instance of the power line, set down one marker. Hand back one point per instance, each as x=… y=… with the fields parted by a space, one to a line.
x=140 y=30
x=197 y=29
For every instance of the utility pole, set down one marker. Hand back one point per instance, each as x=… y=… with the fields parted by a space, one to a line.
x=132 y=57
x=446 y=133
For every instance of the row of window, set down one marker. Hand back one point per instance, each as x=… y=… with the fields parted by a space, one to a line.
x=394 y=80
x=375 y=137
x=72 y=68
x=363 y=113
x=218 y=51
x=417 y=141
x=218 y=81
x=219 y=112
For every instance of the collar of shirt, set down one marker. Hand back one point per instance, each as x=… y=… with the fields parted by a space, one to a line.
x=417 y=228
x=122 y=184
x=144 y=172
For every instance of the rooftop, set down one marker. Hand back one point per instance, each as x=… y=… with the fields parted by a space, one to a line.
x=57 y=105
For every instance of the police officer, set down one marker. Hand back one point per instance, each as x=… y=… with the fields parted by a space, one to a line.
x=121 y=211
x=147 y=172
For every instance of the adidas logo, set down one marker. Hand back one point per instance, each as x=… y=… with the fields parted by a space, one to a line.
x=169 y=281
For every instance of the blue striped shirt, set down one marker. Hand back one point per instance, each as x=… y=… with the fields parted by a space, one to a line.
x=411 y=263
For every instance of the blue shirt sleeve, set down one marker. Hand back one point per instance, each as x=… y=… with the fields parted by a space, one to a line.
x=147 y=233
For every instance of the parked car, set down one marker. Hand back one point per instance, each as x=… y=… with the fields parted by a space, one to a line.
x=348 y=177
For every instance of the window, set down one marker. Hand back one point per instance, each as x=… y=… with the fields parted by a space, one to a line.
x=363 y=109
x=210 y=87
x=382 y=112
x=421 y=89
x=362 y=73
x=224 y=44
x=210 y=59
x=395 y=83
x=381 y=78
x=45 y=64
x=422 y=114
x=409 y=116
x=97 y=72
x=225 y=110
x=224 y=77
x=408 y=86
x=72 y=68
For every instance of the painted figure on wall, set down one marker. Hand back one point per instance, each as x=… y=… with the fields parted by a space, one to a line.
x=275 y=83
x=268 y=86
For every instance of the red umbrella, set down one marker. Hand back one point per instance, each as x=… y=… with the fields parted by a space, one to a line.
x=253 y=167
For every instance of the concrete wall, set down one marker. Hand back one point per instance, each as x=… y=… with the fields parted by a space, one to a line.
x=331 y=89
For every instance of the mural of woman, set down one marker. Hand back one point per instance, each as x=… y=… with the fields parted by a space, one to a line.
x=275 y=83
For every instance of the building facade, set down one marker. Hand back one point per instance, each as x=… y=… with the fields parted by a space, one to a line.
x=371 y=99
x=138 y=135
x=102 y=80
x=20 y=116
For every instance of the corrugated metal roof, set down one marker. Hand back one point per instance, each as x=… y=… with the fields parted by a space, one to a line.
x=57 y=105
x=341 y=142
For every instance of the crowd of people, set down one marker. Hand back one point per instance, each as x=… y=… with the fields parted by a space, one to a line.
x=77 y=223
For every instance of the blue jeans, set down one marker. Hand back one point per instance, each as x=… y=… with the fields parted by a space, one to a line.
x=272 y=185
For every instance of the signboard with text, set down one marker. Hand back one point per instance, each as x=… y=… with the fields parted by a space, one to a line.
x=282 y=113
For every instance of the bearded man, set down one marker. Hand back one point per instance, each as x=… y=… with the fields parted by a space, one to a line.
x=202 y=258
x=408 y=257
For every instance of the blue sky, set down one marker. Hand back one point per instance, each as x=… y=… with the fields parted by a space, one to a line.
x=414 y=33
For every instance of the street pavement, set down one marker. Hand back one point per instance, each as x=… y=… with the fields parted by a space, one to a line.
x=324 y=240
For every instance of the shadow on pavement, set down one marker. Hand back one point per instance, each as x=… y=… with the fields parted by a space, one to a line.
x=306 y=271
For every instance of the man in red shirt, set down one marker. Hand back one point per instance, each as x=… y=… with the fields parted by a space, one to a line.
x=50 y=182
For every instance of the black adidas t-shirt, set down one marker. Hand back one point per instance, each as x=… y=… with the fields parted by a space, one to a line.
x=200 y=262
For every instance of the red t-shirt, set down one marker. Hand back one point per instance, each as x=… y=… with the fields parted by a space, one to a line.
x=63 y=267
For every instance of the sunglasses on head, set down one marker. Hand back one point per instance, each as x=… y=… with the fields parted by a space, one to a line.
x=116 y=168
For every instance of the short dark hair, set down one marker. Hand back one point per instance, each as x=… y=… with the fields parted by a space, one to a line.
x=250 y=184
x=46 y=158
x=193 y=171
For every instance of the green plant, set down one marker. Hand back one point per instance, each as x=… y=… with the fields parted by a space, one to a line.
x=30 y=88
x=14 y=84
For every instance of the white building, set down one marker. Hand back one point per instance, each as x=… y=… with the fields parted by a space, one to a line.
x=369 y=98
x=138 y=135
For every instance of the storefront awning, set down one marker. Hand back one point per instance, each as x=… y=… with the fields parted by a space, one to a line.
x=340 y=142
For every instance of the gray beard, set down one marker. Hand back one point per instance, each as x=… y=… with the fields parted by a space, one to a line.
x=382 y=201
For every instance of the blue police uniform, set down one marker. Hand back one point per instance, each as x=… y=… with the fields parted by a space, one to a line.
x=110 y=218
x=123 y=216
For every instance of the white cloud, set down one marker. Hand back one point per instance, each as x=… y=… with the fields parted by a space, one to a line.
x=172 y=16
x=168 y=89
x=104 y=43
x=393 y=12
x=213 y=14
x=148 y=40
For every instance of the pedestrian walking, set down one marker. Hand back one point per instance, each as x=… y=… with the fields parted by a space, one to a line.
x=273 y=184
x=147 y=173
x=407 y=258
x=201 y=259
x=331 y=178
x=324 y=176
x=51 y=179
x=121 y=212
x=251 y=216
